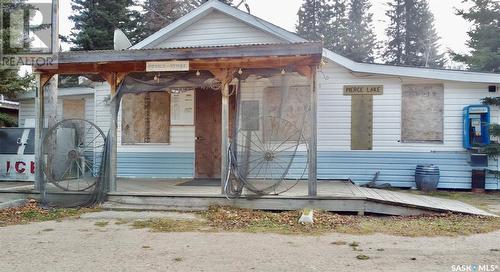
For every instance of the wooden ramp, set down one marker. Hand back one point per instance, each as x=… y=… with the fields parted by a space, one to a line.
x=337 y=196
x=419 y=201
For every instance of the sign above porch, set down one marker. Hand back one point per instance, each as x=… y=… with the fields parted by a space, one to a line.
x=167 y=66
x=363 y=90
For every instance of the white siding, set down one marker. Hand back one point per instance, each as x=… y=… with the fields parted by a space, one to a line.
x=26 y=111
x=101 y=110
x=181 y=137
x=27 y=108
x=334 y=111
x=217 y=29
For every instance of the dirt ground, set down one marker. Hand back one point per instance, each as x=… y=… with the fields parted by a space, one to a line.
x=103 y=242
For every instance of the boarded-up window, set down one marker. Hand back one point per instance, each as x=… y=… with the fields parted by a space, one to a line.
x=422 y=113
x=74 y=109
x=146 y=118
x=290 y=104
x=362 y=122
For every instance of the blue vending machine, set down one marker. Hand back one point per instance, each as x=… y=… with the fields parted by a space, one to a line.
x=476 y=126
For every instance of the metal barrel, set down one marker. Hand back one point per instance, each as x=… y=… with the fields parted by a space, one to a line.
x=427 y=177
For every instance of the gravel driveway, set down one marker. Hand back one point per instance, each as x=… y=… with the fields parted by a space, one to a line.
x=81 y=245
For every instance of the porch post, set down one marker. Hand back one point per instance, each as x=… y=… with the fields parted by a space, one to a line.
x=313 y=150
x=224 y=134
x=114 y=79
x=41 y=81
x=113 y=133
x=39 y=101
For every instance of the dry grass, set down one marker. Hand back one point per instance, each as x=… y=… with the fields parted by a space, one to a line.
x=32 y=212
x=101 y=224
x=169 y=225
x=429 y=225
x=242 y=220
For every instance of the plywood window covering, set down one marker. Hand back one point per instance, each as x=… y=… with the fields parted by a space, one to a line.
x=74 y=108
x=146 y=118
x=292 y=107
x=362 y=122
x=422 y=113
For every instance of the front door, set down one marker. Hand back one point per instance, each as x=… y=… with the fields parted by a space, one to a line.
x=208 y=132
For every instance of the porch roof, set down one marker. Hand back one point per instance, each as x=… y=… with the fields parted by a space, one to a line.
x=201 y=58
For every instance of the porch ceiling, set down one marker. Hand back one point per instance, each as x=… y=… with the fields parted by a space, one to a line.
x=201 y=58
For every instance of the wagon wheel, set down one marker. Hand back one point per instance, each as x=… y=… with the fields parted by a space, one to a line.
x=265 y=158
x=73 y=151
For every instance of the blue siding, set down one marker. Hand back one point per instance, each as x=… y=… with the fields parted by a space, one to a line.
x=155 y=165
x=398 y=168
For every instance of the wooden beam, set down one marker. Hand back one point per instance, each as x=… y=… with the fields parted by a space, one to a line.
x=224 y=75
x=44 y=79
x=114 y=79
x=204 y=64
x=223 y=52
x=306 y=71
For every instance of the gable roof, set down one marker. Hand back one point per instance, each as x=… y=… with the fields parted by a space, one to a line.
x=215 y=5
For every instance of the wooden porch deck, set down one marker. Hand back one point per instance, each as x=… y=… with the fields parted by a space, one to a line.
x=337 y=196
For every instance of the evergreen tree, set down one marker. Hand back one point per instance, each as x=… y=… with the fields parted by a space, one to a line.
x=361 y=41
x=96 y=20
x=314 y=20
x=484 y=37
x=158 y=14
x=339 y=28
x=394 y=52
x=324 y=20
x=413 y=39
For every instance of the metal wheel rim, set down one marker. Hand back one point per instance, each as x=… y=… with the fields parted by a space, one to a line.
x=74 y=155
x=266 y=155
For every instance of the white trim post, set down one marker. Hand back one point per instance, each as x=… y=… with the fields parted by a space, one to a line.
x=313 y=142
x=39 y=124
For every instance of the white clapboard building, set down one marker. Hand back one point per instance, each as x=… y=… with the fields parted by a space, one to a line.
x=371 y=118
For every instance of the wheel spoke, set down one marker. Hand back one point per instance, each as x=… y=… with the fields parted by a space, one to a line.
x=288 y=148
x=260 y=169
x=95 y=138
x=282 y=143
x=250 y=139
x=249 y=148
x=258 y=138
x=253 y=168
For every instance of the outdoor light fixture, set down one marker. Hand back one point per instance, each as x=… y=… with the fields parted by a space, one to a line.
x=283 y=71
x=157 y=78
x=198 y=73
x=240 y=72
